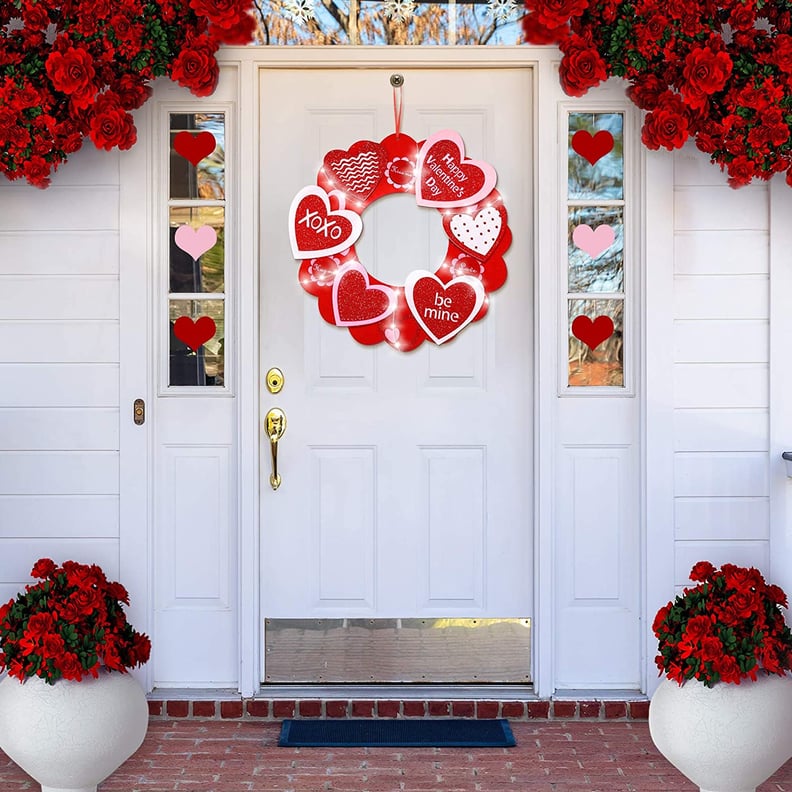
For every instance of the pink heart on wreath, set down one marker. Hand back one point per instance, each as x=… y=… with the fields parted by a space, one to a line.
x=359 y=169
x=194 y=333
x=194 y=147
x=445 y=178
x=443 y=309
x=355 y=301
x=315 y=230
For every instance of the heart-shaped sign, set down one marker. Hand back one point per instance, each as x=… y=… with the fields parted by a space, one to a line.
x=443 y=309
x=194 y=334
x=315 y=230
x=476 y=233
x=359 y=169
x=356 y=301
x=195 y=241
x=594 y=241
x=592 y=147
x=592 y=333
x=194 y=147
x=445 y=178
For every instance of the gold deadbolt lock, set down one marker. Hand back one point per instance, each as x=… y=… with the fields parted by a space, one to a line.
x=274 y=380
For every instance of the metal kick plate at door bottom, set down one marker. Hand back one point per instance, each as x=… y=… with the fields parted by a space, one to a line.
x=365 y=651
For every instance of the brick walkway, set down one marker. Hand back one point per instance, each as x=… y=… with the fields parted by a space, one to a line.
x=243 y=756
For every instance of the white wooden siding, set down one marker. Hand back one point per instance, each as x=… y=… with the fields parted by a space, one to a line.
x=59 y=364
x=721 y=313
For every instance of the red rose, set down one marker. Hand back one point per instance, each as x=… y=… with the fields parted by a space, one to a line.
x=537 y=33
x=218 y=11
x=775 y=593
x=53 y=645
x=711 y=648
x=39 y=625
x=85 y=601
x=702 y=571
x=697 y=628
x=745 y=604
x=705 y=73
x=666 y=125
x=72 y=73
x=111 y=125
x=728 y=669
x=196 y=68
x=239 y=31
x=581 y=67
x=554 y=13
x=660 y=618
x=69 y=666
x=43 y=568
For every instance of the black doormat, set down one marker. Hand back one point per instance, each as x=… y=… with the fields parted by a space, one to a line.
x=372 y=733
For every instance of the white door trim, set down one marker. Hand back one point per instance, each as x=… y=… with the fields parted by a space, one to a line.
x=542 y=61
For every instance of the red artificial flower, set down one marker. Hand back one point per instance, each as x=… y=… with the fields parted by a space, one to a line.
x=72 y=73
x=537 y=33
x=581 y=68
x=555 y=13
x=111 y=125
x=724 y=629
x=702 y=571
x=666 y=125
x=196 y=67
x=68 y=625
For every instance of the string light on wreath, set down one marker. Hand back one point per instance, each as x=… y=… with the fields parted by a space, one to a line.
x=731 y=92
x=326 y=219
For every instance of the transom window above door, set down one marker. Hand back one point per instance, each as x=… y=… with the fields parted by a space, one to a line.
x=384 y=22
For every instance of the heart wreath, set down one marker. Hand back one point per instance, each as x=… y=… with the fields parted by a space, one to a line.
x=325 y=221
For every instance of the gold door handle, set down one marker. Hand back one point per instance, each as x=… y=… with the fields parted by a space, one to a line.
x=275 y=424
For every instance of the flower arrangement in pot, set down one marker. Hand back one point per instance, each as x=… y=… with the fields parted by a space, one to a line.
x=723 y=711
x=78 y=714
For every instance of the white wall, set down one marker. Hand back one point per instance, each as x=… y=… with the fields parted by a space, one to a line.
x=721 y=355
x=59 y=369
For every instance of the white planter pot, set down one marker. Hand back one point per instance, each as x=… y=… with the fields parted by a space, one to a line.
x=728 y=738
x=71 y=735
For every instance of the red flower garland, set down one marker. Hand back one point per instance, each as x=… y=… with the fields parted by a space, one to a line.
x=717 y=72
x=71 y=69
x=724 y=629
x=68 y=626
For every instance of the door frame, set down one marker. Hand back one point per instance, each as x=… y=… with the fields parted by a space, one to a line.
x=340 y=58
x=137 y=369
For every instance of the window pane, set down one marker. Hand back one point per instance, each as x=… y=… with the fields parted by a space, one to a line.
x=595 y=246
x=197 y=163
x=411 y=23
x=197 y=249
x=595 y=344
x=477 y=24
x=605 y=177
x=197 y=343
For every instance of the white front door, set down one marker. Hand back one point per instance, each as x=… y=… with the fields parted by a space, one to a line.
x=407 y=481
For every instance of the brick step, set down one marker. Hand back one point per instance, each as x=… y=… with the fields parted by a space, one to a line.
x=277 y=709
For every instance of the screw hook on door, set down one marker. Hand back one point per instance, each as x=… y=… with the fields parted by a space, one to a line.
x=275 y=425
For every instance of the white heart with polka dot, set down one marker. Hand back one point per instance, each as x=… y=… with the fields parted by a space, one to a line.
x=479 y=232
